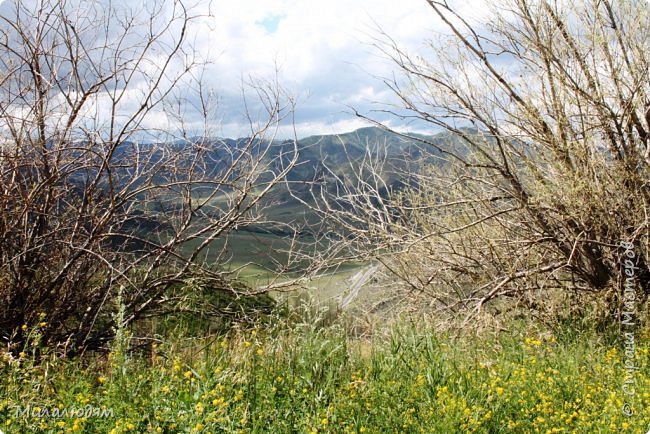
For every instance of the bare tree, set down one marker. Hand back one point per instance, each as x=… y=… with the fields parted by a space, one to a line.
x=110 y=188
x=543 y=172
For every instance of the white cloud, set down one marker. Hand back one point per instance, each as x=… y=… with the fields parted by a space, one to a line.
x=323 y=51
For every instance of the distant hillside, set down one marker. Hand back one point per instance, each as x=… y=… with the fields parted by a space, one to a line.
x=336 y=150
x=328 y=162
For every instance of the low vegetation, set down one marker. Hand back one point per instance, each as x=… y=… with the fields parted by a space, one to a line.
x=299 y=378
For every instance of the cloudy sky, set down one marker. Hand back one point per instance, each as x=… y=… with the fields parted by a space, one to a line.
x=320 y=51
x=323 y=50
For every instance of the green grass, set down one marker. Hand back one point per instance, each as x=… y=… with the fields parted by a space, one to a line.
x=253 y=251
x=303 y=379
x=253 y=258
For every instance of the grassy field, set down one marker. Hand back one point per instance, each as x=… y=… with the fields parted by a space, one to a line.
x=298 y=373
x=293 y=377
x=251 y=250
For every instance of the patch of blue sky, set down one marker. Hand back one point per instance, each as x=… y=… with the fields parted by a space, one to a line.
x=270 y=23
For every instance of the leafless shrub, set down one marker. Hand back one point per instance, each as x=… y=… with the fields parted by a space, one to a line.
x=542 y=173
x=108 y=179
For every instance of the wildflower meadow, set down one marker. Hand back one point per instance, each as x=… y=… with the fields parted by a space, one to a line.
x=307 y=379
